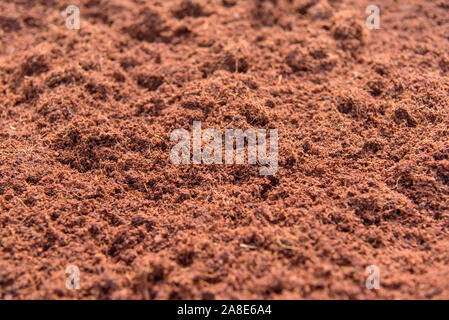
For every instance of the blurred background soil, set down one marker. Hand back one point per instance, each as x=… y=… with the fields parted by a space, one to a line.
x=85 y=176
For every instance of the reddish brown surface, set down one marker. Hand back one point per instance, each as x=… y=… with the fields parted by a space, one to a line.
x=85 y=176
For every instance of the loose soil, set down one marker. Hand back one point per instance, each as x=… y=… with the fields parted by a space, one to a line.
x=85 y=175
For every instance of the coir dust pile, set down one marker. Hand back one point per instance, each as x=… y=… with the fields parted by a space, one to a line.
x=86 y=178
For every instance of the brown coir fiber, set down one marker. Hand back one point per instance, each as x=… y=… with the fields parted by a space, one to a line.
x=85 y=176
